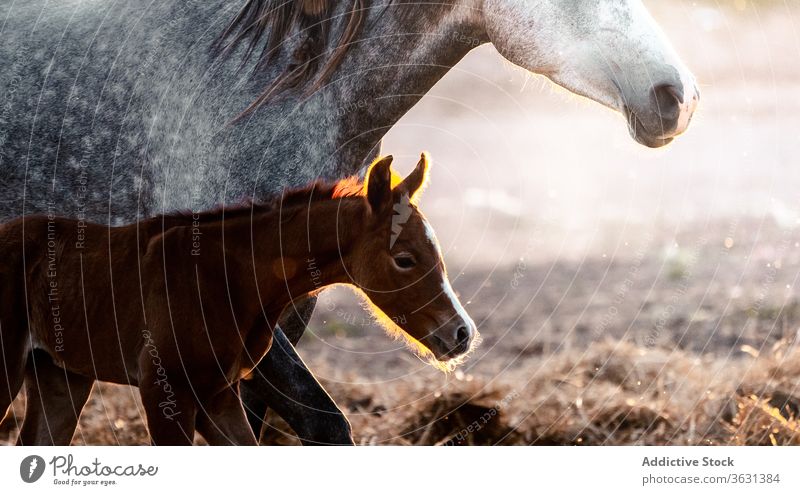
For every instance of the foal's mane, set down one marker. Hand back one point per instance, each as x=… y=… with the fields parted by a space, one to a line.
x=301 y=196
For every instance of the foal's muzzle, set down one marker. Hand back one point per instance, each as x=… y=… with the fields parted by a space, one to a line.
x=452 y=339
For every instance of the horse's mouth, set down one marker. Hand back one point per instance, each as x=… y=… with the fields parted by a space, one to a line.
x=641 y=134
x=440 y=349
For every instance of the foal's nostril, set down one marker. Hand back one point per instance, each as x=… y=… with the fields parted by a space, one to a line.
x=462 y=335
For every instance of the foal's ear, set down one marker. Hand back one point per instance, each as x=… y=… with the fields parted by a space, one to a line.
x=379 y=184
x=415 y=183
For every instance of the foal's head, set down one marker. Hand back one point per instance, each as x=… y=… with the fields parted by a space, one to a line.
x=398 y=264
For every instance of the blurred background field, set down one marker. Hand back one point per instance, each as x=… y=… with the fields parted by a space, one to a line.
x=625 y=295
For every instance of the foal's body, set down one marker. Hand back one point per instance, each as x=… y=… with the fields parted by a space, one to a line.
x=113 y=324
x=104 y=275
x=184 y=306
x=129 y=301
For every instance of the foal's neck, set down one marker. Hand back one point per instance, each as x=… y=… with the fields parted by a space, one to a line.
x=306 y=247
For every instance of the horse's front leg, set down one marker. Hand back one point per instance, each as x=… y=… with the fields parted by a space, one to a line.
x=222 y=421
x=295 y=318
x=54 y=400
x=282 y=381
x=291 y=326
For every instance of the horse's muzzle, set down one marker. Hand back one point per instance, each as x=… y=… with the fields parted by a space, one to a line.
x=668 y=110
x=452 y=340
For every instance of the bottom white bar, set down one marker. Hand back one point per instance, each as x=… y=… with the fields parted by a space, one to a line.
x=703 y=470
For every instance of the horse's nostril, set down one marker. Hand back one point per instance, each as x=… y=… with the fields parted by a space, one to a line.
x=668 y=99
x=462 y=334
x=668 y=96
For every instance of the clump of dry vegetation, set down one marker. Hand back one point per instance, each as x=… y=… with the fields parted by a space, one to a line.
x=462 y=418
x=769 y=400
x=758 y=422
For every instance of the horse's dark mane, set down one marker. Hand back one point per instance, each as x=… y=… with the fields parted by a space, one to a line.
x=263 y=25
x=302 y=196
x=266 y=23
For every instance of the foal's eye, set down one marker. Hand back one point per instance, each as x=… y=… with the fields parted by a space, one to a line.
x=404 y=261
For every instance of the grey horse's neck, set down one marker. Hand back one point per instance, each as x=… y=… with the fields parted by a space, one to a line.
x=407 y=50
x=402 y=52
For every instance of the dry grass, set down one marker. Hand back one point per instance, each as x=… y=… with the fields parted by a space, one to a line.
x=614 y=393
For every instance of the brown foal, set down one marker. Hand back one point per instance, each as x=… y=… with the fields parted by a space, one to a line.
x=183 y=306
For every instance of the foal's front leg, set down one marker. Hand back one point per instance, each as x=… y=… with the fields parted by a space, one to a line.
x=222 y=420
x=171 y=411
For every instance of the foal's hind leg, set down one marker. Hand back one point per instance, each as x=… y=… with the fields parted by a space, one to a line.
x=55 y=398
x=223 y=422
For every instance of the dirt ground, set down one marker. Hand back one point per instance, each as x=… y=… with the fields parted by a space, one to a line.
x=624 y=295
